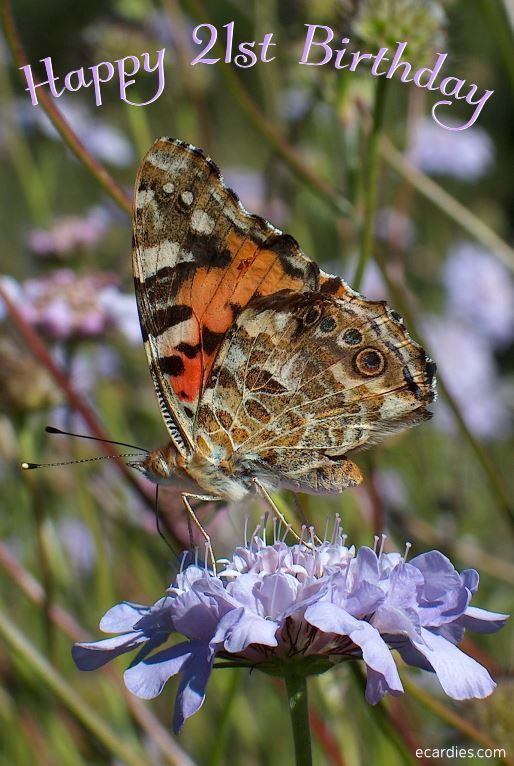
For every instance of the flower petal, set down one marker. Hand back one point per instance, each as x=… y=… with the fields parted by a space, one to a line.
x=92 y=655
x=240 y=628
x=460 y=676
x=481 y=620
x=276 y=593
x=122 y=617
x=147 y=678
x=375 y=652
x=377 y=687
x=191 y=693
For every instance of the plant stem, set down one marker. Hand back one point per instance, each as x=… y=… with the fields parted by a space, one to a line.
x=219 y=754
x=105 y=180
x=447 y=203
x=114 y=742
x=371 y=181
x=296 y=687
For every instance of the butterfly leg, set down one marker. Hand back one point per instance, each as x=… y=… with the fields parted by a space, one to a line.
x=194 y=518
x=277 y=512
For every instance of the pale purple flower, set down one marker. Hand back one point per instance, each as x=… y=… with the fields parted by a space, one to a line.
x=68 y=233
x=316 y=605
x=64 y=305
x=465 y=360
x=480 y=291
x=102 y=140
x=13 y=290
x=122 y=308
x=466 y=155
x=392 y=226
x=78 y=544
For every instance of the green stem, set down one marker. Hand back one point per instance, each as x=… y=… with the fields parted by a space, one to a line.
x=321 y=188
x=46 y=673
x=219 y=754
x=371 y=181
x=447 y=203
x=104 y=178
x=296 y=687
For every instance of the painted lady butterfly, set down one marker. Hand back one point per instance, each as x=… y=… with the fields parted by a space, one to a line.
x=267 y=370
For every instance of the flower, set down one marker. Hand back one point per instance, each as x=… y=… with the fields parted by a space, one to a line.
x=385 y=22
x=63 y=305
x=480 y=291
x=102 y=140
x=465 y=360
x=305 y=607
x=68 y=233
x=466 y=155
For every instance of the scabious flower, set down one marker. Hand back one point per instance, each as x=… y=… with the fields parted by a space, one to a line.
x=251 y=188
x=302 y=608
x=469 y=272
x=466 y=155
x=68 y=233
x=466 y=361
x=64 y=305
x=101 y=139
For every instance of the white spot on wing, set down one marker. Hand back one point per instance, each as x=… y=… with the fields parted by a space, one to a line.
x=169 y=188
x=187 y=198
x=158 y=256
x=144 y=197
x=201 y=222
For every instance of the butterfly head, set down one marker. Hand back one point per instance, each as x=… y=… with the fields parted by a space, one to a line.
x=159 y=465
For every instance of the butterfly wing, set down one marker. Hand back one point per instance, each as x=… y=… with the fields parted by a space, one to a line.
x=303 y=379
x=199 y=258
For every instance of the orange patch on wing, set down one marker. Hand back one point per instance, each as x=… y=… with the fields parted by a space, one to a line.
x=188 y=384
x=212 y=293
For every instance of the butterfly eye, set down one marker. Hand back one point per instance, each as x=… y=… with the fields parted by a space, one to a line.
x=352 y=337
x=369 y=362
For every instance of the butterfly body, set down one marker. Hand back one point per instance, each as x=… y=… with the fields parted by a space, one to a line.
x=264 y=366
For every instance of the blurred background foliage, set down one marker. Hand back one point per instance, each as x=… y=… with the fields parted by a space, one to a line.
x=294 y=142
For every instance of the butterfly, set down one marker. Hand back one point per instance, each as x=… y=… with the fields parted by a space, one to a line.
x=268 y=371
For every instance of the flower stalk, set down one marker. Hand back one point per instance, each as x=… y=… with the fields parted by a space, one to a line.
x=371 y=181
x=296 y=687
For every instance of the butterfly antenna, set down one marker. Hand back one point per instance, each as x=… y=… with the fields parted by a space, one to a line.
x=30 y=466
x=158 y=521
x=53 y=430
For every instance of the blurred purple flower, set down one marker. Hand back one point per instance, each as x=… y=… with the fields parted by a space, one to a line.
x=467 y=155
x=466 y=362
x=88 y=366
x=68 y=233
x=13 y=290
x=480 y=291
x=78 y=544
x=295 y=103
x=122 y=309
x=102 y=140
x=65 y=305
x=316 y=605
x=391 y=226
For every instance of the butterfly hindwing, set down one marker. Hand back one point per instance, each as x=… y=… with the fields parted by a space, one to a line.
x=304 y=378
